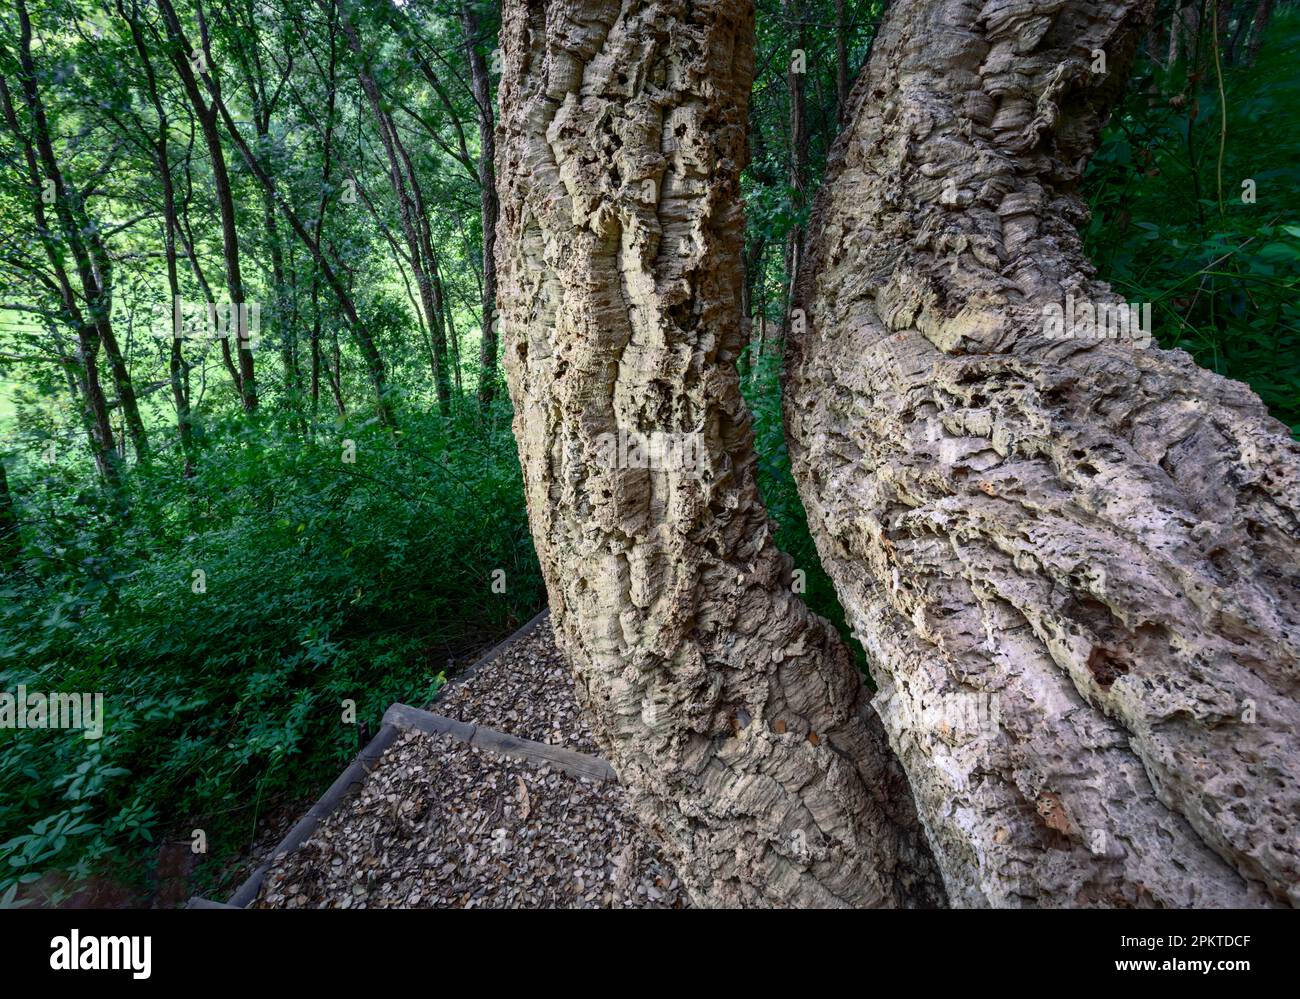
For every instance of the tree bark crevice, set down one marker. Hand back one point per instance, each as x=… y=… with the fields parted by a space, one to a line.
x=1092 y=536
x=733 y=715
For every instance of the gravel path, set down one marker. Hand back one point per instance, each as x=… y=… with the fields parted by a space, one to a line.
x=442 y=824
x=527 y=691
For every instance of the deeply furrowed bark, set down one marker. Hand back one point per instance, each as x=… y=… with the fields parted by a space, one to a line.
x=1095 y=541
x=733 y=715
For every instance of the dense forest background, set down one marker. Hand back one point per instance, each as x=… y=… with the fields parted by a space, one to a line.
x=232 y=543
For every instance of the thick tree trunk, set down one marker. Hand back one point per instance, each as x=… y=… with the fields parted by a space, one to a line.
x=1092 y=544
x=733 y=715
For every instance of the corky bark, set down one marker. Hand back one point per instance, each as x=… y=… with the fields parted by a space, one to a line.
x=733 y=715
x=1098 y=539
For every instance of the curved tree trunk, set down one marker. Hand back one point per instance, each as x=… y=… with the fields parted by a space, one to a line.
x=733 y=715
x=1092 y=541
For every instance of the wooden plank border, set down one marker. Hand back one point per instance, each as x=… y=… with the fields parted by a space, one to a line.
x=397 y=719
x=574 y=763
x=348 y=782
x=494 y=653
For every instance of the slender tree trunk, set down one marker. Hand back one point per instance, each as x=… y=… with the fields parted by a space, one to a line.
x=186 y=234
x=1187 y=31
x=248 y=57
x=489 y=208
x=327 y=147
x=753 y=263
x=335 y=375
x=68 y=365
x=402 y=259
x=841 y=62
x=1263 y=11
x=410 y=210
x=453 y=340
x=365 y=341
x=798 y=162
x=133 y=425
x=280 y=319
x=94 y=269
x=445 y=349
x=11 y=548
x=95 y=406
x=732 y=714
x=1087 y=545
x=184 y=58
x=1232 y=41
x=178 y=372
x=315 y=349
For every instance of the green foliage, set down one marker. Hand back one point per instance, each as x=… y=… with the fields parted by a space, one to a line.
x=773 y=206
x=324 y=581
x=1223 y=275
x=781 y=496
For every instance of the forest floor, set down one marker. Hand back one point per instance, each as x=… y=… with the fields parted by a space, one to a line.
x=440 y=823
